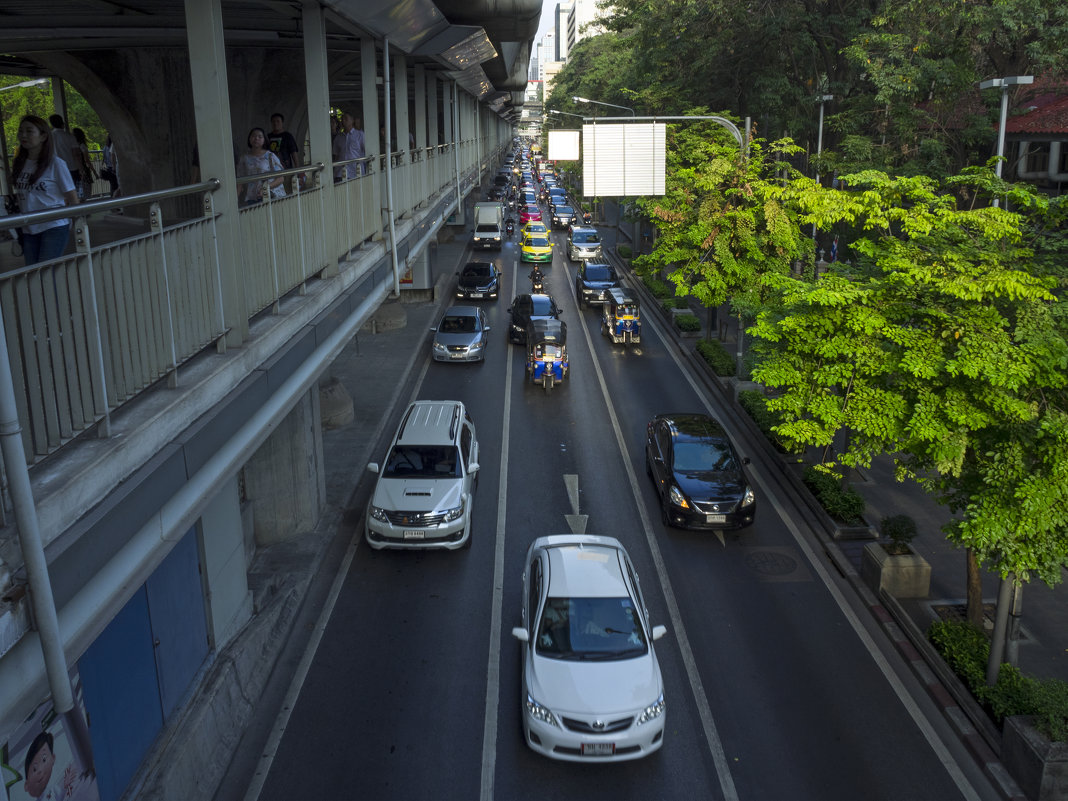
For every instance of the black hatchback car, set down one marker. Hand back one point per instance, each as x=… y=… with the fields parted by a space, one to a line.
x=478 y=279
x=697 y=472
x=592 y=282
x=526 y=308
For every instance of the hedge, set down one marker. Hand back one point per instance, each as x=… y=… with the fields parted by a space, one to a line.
x=717 y=357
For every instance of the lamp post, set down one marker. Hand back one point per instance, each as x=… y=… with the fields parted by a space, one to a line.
x=600 y=103
x=568 y=113
x=819 y=149
x=1003 y=84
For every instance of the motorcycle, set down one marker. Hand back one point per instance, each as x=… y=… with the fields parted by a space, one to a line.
x=537 y=281
x=509 y=228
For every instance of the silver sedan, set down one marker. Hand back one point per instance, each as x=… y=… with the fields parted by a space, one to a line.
x=461 y=335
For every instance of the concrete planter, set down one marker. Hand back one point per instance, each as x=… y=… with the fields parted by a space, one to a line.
x=1039 y=766
x=904 y=576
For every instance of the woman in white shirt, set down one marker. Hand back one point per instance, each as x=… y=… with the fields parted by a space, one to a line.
x=42 y=181
x=259 y=160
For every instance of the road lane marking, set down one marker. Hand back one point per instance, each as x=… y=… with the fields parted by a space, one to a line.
x=493 y=659
x=715 y=745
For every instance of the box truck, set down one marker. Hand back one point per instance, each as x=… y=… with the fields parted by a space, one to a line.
x=489 y=225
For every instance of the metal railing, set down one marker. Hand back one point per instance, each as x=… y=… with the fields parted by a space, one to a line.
x=88 y=331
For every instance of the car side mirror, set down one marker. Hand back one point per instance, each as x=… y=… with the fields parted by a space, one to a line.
x=433 y=328
x=372 y=467
x=521 y=634
x=487 y=328
x=659 y=631
x=745 y=460
x=473 y=467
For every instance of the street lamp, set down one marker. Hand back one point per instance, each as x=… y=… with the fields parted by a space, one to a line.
x=600 y=103
x=568 y=113
x=1003 y=84
x=34 y=82
x=819 y=149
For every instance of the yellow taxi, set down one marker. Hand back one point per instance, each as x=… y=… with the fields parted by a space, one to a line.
x=535 y=227
x=536 y=247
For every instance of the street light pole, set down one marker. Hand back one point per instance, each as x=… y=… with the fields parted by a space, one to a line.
x=819 y=149
x=1003 y=84
x=600 y=103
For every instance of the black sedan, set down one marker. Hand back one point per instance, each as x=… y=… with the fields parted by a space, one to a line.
x=562 y=216
x=592 y=282
x=526 y=308
x=697 y=472
x=478 y=279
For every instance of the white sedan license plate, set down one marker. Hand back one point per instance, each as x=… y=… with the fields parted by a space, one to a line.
x=413 y=534
x=715 y=518
x=598 y=749
x=476 y=294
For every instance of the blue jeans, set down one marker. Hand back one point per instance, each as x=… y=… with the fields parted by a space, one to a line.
x=49 y=244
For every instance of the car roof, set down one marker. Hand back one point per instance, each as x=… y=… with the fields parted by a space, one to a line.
x=430 y=423
x=583 y=229
x=585 y=567
x=694 y=426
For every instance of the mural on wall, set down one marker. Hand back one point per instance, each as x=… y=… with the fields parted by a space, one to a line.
x=37 y=762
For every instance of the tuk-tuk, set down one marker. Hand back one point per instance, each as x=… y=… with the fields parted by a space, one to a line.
x=546 y=352
x=621 y=317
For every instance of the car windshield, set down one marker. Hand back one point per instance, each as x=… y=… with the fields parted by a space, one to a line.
x=423 y=461
x=564 y=210
x=542 y=306
x=477 y=271
x=590 y=629
x=585 y=238
x=599 y=272
x=626 y=310
x=458 y=324
x=703 y=457
x=538 y=241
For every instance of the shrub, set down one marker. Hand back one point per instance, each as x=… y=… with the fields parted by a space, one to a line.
x=687 y=322
x=844 y=505
x=966 y=649
x=661 y=289
x=756 y=406
x=667 y=304
x=624 y=251
x=900 y=530
x=717 y=357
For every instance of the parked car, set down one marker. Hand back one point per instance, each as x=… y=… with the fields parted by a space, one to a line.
x=461 y=335
x=478 y=279
x=592 y=282
x=591 y=690
x=698 y=474
x=528 y=307
x=425 y=490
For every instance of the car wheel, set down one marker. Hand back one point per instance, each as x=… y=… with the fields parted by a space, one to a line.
x=467 y=545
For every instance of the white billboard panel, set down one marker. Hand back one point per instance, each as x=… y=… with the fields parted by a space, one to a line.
x=564 y=145
x=623 y=160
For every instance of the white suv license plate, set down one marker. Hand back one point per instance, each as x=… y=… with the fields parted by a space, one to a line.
x=598 y=749
x=413 y=534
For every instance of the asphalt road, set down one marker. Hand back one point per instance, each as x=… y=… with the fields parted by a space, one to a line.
x=778 y=684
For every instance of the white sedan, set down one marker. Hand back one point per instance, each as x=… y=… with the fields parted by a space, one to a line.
x=592 y=690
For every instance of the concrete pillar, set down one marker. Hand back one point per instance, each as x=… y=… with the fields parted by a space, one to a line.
x=318 y=89
x=371 y=124
x=420 y=106
x=225 y=566
x=433 y=111
x=211 y=107
x=285 y=478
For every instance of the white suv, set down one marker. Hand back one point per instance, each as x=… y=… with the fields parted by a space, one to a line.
x=426 y=486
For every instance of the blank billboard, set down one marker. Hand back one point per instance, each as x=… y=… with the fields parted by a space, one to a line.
x=623 y=160
x=564 y=145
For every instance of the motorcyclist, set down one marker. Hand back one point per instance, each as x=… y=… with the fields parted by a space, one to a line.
x=537 y=278
x=509 y=226
x=587 y=218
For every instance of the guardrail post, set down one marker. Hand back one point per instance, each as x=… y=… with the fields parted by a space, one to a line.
x=94 y=340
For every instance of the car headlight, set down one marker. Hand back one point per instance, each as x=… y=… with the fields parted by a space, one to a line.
x=748 y=499
x=454 y=513
x=439 y=348
x=538 y=712
x=651 y=712
x=477 y=345
x=678 y=499
x=379 y=514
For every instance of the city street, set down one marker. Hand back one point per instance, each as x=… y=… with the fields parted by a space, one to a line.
x=778 y=683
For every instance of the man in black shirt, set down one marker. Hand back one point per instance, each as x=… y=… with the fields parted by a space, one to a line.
x=281 y=142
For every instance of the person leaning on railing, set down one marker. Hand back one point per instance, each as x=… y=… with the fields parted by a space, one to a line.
x=42 y=182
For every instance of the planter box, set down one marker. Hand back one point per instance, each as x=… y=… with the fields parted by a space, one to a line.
x=905 y=576
x=1039 y=766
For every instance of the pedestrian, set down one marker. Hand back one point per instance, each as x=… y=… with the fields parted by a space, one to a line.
x=85 y=165
x=42 y=182
x=337 y=147
x=257 y=161
x=354 y=144
x=109 y=169
x=282 y=144
x=64 y=146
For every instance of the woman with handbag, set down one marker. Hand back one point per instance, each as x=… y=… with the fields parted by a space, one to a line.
x=42 y=181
